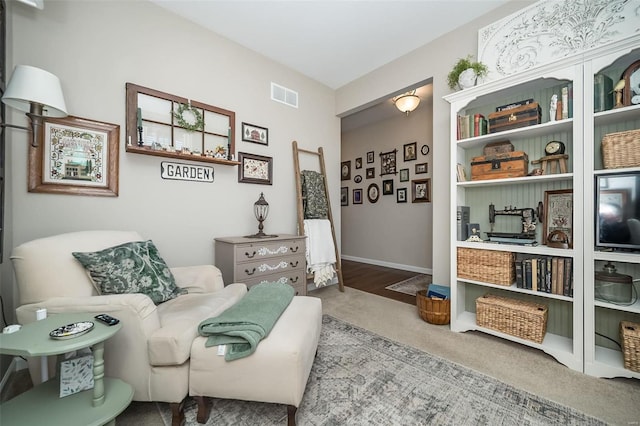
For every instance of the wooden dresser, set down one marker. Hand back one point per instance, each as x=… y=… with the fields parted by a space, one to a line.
x=257 y=260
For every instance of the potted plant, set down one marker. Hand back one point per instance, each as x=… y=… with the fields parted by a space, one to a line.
x=459 y=76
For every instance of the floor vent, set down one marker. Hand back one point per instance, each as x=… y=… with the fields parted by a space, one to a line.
x=283 y=95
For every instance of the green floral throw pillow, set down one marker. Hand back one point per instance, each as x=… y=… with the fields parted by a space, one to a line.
x=134 y=267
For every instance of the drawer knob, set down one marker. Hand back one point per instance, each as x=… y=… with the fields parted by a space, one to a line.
x=294 y=280
x=253 y=271
x=250 y=256
x=294 y=249
x=293 y=265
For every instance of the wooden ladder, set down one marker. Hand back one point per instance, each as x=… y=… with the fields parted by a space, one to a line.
x=300 y=206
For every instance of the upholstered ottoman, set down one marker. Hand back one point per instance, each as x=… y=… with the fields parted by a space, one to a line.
x=276 y=372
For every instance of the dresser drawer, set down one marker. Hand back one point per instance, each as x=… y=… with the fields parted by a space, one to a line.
x=266 y=250
x=249 y=270
x=295 y=278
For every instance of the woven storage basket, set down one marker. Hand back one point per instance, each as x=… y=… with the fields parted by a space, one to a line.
x=518 y=318
x=621 y=149
x=491 y=266
x=433 y=311
x=630 y=338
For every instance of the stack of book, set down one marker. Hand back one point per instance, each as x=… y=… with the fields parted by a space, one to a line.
x=470 y=126
x=548 y=274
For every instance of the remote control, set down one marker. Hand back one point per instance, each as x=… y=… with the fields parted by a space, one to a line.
x=107 y=319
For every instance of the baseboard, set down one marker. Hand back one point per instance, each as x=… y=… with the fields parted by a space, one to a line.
x=16 y=365
x=400 y=266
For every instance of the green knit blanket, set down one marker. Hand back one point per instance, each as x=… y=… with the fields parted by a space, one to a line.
x=243 y=325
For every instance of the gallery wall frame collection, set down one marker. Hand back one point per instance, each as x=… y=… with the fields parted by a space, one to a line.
x=421 y=188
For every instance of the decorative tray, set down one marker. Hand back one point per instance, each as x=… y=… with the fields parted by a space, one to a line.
x=70 y=331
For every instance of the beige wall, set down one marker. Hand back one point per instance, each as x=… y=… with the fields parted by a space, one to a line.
x=95 y=47
x=388 y=233
x=432 y=60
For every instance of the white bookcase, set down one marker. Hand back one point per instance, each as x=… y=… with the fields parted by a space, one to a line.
x=573 y=321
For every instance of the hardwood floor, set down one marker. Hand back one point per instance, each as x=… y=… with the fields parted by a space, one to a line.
x=374 y=279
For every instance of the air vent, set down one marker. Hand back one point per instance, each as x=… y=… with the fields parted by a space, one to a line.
x=283 y=95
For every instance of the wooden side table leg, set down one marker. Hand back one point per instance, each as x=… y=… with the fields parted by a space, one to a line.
x=98 y=374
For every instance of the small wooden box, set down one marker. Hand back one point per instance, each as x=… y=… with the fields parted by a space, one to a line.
x=494 y=148
x=499 y=166
x=514 y=118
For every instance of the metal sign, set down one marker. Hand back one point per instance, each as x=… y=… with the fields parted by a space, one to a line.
x=189 y=172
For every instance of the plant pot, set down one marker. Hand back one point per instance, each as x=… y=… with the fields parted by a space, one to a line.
x=467 y=78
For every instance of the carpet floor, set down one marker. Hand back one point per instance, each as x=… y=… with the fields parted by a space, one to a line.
x=361 y=378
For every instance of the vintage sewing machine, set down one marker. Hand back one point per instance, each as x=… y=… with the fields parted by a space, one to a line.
x=527 y=235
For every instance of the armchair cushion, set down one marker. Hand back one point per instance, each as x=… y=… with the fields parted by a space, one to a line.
x=133 y=267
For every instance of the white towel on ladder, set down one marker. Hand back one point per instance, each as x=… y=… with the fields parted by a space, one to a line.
x=321 y=253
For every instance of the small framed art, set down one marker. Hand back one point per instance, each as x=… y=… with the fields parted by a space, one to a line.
x=421 y=190
x=371 y=172
x=387 y=187
x=388 y=163
x=410 y=153
x=255 y=134
x=404 y=175
x=357 y=196
x=359 y=163
x=344 y=196
x=370 y=157
x=255 y=169
x=373 y=193
x=345 y=170
x=401 y=195
x=422 y=168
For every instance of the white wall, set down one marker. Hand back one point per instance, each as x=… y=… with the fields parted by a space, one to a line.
x=389 y=233
x=95 y=48
x=433 y=60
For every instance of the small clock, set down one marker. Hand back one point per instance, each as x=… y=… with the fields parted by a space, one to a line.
x=554 y=147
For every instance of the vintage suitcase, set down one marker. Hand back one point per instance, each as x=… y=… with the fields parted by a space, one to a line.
x=500 y=166
x=494 y=148
x=525 y=115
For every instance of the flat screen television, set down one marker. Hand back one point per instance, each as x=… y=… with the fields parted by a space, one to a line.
x=618 y=210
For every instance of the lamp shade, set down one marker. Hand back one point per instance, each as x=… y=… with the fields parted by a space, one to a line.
x=33 y=85
x=407 y=102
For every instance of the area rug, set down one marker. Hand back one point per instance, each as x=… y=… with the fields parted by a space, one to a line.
x=360 y=378
x=412 y=285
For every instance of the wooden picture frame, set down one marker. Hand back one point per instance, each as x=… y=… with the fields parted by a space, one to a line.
x=631 y=77
x=344 y=196
x=388 y=163
x=410 y=151
x=78 y=156
x=255 y=134
x=345 y=170
x=387 y=187
x=558 y=213
x=370 y=157
x=421 y=191
x=401 y=195
x=370 y=173
x=357 y=196
x=255 y=169
x=422 y=168
x=404 y=175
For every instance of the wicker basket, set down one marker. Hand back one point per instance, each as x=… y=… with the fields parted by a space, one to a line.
x=621 y=149
x=491 y=266
x=433 y=311
x=511 y=316
x=630 y=338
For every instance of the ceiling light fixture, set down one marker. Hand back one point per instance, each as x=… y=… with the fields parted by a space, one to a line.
x=407 y=102
x=36 y=92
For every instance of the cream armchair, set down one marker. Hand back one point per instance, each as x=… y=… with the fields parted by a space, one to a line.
x=151 y=352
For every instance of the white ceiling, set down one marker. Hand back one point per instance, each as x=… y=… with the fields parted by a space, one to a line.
x=333 y=42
